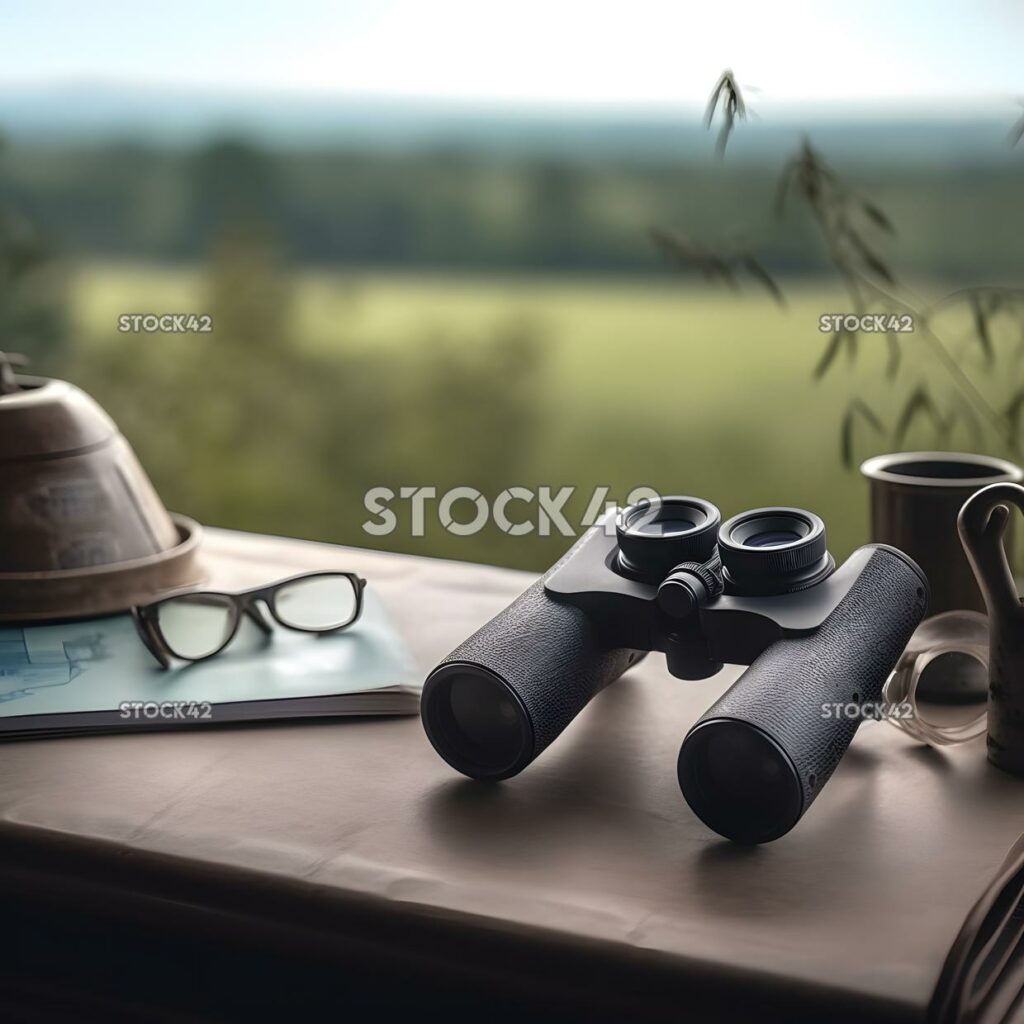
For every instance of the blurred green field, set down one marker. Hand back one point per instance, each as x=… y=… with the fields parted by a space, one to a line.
x=684 y=389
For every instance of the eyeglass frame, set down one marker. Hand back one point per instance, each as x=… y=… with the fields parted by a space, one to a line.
x=241 y=603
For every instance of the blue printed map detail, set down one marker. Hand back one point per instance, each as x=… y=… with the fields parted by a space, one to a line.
x=31 y=660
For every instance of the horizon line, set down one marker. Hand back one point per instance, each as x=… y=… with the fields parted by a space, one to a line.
x=882 y=108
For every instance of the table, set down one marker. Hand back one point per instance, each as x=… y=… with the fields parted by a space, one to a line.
x=344 y=859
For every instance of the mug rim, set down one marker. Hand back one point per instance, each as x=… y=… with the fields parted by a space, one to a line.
x=884 y=468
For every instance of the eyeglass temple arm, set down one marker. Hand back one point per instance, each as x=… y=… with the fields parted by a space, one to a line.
x=146 y=634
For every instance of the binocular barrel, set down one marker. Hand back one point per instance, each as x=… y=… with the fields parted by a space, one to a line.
x=505 y=693
x=754 y=763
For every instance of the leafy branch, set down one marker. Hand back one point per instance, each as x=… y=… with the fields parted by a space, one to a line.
x=850 y=227
x=724 y=267
x=841 y=216
x=726 y=98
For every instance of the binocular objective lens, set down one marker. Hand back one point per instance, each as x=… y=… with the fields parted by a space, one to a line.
x=475 y=722
x=739 y=782
x=485 y=715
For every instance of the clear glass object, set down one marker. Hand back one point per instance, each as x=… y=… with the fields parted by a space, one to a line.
x=943 y=676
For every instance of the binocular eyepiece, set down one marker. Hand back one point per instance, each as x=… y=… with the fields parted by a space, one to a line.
x=654 y=537
x=760 y=590
x=774 y=550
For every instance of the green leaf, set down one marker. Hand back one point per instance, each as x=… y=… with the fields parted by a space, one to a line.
x=716 y=93
x=756 y=270
x=875 y=214
x=828 y=357
x=981 y=327
x=920 y=403
x=873 y=262
x=857 y=409
x=965 y=413
x=892 y=365
x=1015 y=413
x=782 y=189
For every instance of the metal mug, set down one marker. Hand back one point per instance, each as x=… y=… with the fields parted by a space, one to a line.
x=915 y=500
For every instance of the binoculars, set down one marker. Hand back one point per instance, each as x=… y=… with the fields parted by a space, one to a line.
x=760 y=590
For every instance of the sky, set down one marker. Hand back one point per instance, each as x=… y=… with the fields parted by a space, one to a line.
x=556 y=52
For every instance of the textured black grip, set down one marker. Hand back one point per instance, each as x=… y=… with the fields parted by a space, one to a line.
x=550 y=654
x=785 y=691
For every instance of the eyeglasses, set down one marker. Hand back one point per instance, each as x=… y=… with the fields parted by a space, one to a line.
x=201 y=623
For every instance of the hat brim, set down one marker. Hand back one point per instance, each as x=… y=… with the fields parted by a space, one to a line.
x=103 y=589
